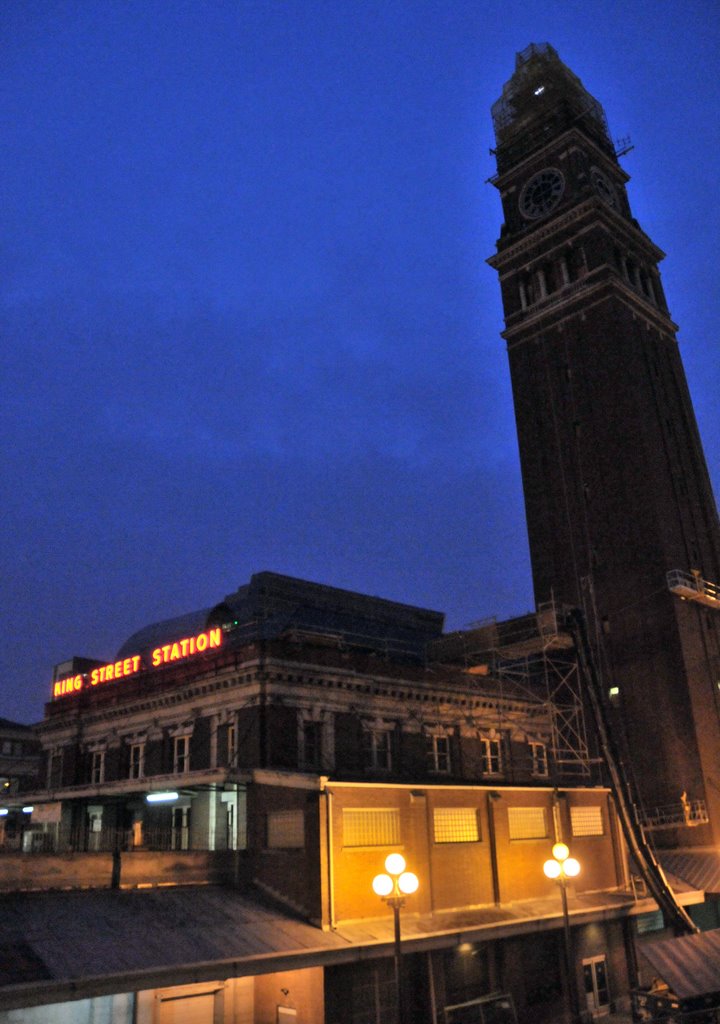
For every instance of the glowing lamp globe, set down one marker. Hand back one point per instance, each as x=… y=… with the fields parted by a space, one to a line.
x=552 y=868
x=571 y=867
x=560 y=852
x=382 y=885
x=408 y=882
x=395 y=864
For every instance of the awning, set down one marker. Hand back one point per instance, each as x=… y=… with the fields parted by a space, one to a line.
x=690 y=965
x=700 y=868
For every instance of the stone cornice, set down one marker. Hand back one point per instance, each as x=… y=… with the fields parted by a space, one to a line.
x=614 y=222
x=562 y=306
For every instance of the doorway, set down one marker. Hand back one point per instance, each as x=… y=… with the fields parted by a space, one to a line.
x=597 y=991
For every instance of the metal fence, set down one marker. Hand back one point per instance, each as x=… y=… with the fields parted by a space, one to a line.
x=54 y=839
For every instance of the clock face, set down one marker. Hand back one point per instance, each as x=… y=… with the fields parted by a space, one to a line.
x=604 y=187
x=542 y=193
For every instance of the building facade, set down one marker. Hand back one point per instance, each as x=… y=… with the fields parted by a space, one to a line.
x=280 y=744
x=621 y=517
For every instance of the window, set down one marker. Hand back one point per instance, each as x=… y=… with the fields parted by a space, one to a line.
x=311 y=744
x=181 y=754
x=586 y=821
x=539 y=759
x=97 y=767
x=491 y=754
x=55 y=768
x=371 y=826
x=377 y=745
x=455 y=825
x=527 y=823
x=652 y=922
x=137 y=761
x=438 y=753
x=285 y=830
x=231 y=744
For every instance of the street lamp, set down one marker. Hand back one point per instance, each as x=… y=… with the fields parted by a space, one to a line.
x=560 y=868
x=393 y=887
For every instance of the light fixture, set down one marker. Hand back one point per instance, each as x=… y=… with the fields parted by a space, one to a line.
x=161 y=797
x=539 y=91
x=560 y=868
x=28 y=810
x=3 y=811
x=393 y=887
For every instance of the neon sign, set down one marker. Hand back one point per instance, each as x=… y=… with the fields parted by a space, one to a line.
x=114 y=670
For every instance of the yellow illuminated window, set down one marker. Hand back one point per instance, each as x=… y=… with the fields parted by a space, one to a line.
x=586 y=821
x=455 y=825
x=371 y=826
x=527 y=822
x=285 y=830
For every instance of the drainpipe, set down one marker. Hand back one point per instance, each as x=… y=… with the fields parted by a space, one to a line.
x=331 y=869
x=494 y=868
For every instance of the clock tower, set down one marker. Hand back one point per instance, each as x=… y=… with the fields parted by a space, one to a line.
x=620 y=512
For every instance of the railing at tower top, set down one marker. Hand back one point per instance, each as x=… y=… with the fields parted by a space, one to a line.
x=692 y=587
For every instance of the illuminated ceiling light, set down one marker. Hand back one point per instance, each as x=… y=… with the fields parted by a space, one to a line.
x=161 y=798
x=28 y=810
x=3 y=811
x=539 y=91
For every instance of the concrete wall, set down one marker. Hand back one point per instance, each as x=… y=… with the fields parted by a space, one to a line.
x=23 y=872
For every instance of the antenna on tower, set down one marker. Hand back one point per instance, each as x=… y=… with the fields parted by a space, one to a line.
x=623 y=146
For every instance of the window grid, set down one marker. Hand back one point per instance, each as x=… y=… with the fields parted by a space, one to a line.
x=311 y=737
x=539 y=759
x=97 y=769
x=455 y=825
x=286 y=830
x=586 y=821
x=527 y=823
x=181 y=755
x=371 y=826
x=378 y=749
x=137 y=760
x=491 y=756
x=438 y=750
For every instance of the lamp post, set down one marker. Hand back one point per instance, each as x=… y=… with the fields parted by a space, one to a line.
x=393 y=887
x=560 y=868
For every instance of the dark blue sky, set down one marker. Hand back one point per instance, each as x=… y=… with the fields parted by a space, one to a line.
x=246 y=315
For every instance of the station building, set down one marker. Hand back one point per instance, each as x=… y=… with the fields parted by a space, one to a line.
x=241 y=773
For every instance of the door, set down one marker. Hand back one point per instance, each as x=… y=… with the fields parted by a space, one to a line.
x=597 y=992
x=180 y=828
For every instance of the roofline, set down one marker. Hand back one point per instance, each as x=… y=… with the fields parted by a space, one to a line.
x=43 y=993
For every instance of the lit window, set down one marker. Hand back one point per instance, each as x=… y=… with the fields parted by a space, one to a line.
x=438 y=753
x=586 y=821
x=539 y=759
x=371 y=826
x=181 y=754
x=527 y=823
x=137 y=761
x=286 y=830
x=97 y=767
x=377 y=746
x=491 y=755
x=455 y=825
